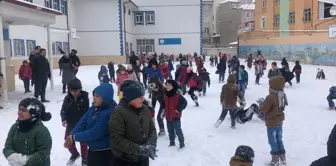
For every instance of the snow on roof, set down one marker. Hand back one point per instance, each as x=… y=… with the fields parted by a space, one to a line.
x=229 y=1
x=248 y=6
x=234 y=43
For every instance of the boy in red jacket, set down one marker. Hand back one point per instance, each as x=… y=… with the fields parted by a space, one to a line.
x=25 y=74
x=174 y=104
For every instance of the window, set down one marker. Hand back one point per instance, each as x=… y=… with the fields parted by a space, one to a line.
x=19 y=48
x=66 y=47
x=31 y=44
x=129 y=12
x=145 y=45
x=263 y=3
x=56 y=4
x=205 y=7
x=206 y=19
x=277 y=20
x=248 y=14
x=139 y=18
x=55 y=46
x=47 y=3
x=131 y=47
x=206 y=30
x=277 y=1
x=291 y=18
x=307 y=15
x=29 y=1
x=150 y=18
x=64 y=7
x=127 y=49
x=263 y=22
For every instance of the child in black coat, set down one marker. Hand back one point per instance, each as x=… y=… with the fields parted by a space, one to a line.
x=205 y=77
x=103 y=75
x=320 y=74
x=75 y=105
x=297 y=70
x=110 y=67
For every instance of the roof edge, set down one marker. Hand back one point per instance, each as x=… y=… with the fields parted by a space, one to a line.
x=33 y=6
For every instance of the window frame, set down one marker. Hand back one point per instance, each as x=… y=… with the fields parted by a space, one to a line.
x=28 y=42
x=64 y=7
x=291 y=19
x=277 y=20
x=56 y=4
x=307 y=14
x=277 y=1
x=148 y=14
x=140 y=15
x=263 y=23
x=263 y=3
x=31 y=1
x=22 y=51
x=144 y=44
x=47 y=3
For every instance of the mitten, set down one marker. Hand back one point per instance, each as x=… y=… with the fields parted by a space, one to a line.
x=22 y=159
x=148 y=151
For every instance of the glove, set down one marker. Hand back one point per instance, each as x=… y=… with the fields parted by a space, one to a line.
x=148 y=151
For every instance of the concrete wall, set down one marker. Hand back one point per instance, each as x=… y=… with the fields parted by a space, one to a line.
x=173 y=19
x=208 y=18
x=230 y=20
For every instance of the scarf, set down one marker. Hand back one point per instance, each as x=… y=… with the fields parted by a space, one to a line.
x=25 y=125
x=282 y=98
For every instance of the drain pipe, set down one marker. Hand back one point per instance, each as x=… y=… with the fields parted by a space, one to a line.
x=124 y=22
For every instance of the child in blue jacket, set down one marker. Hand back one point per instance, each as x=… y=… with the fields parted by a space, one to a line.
x=103 y=75
x=93 y=128
x=242 y=79
x=154 y=72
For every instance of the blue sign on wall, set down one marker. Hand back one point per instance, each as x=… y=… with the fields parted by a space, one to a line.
x=170 y=41
x=5 y=34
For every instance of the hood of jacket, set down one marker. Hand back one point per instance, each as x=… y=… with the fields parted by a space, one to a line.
x=106 y=92
x=331 y=144
x=103 y=69
x=277 y=82
x=231 y=79
x=237 y=161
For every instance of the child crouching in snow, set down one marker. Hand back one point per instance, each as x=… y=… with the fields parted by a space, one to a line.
x=244 y=156
x=273 y=108
x=195 y=84
x=228 y=99
x=174 y=104
x=75 y=105
x=244 y=115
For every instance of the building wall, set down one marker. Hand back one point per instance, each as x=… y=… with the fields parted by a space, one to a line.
x=173 y=19
x=97 y=25
x=208 y=18
x=230 y=20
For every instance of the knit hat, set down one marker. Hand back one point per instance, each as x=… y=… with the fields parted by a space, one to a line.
x=36 y=109
x=245 y=152
x=131 y=90
x=75 y=84
x=173 y=83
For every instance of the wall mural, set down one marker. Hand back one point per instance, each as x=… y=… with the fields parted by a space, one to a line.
x=317 y=53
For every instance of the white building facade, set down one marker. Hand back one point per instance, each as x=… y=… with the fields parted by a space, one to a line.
x=104 y=30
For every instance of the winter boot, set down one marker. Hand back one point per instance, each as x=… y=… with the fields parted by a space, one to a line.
x=172 y=143
x=45 y=101
x=182 y=145
x=84 y=161
x=72 y=159
x=275 y=160
x=219 y=122
x=162 y=132
x=283 y=159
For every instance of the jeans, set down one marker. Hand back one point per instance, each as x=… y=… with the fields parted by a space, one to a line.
x=241 y=86
x=330 y=101
x=40 y=88
x=112 y=75
x=191 y=92
x=232 y=117
x=205 y=84
x=257 y=78
x=274 y=135
x=159 y=119
x=174 y=128
x=221 y=76
x=144 y=81
x=297 y=76
x=26 y=85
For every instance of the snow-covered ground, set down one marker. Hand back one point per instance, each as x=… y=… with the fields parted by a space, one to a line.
x=306 y=128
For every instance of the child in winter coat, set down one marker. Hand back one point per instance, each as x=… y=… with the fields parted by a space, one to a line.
x=194 y=83
x=274 y=71
x=75 y=105
x=242 y=79
x=205 y=77
x=177 y=72
x=93 y=128
x=110 y=67
x=249 y=61
x=273 y=108
x=154 y=71
x=171 y=67
x=131 y=73
x=328 y=160
x=320 y=74
x=157 y=91
x=244 y=156
x=29 y=142
x=25 y=74
x=182 y=75
x=164 y=68
x=297 y=69
x=103 y=75
x=121 y=77
x=244 y=115
x=331 y=97
x=228 y=99
x=174 y=104
x=258 y=70
x=144 y=72
x=221 y=68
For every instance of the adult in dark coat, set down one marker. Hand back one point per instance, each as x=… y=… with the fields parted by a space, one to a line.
x=134 y=61
x=41 y=70
x=221 y=68
x=33 y=54
x=287 y=74
x=75 y=60
x=330 y=159
x=68 y=70
x=284 y=62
